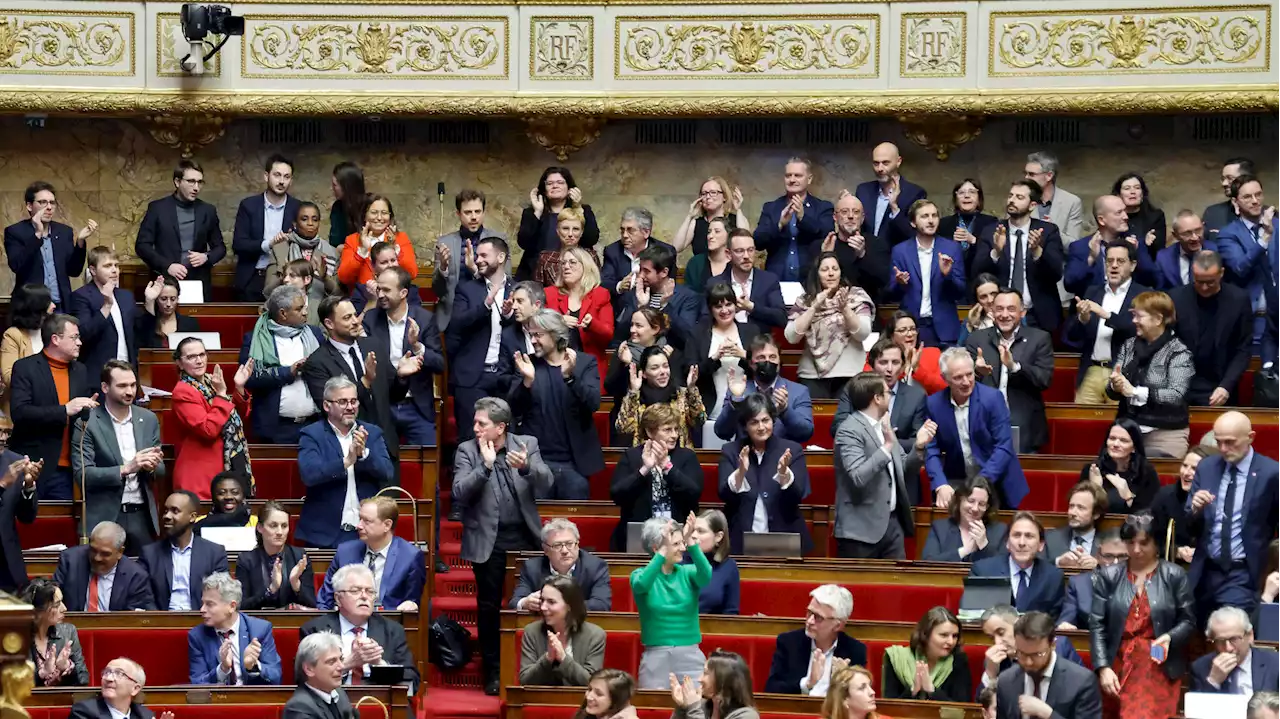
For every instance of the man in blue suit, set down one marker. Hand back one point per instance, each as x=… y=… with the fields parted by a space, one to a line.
x=45 y=252
x=341 y=461
x=1249 y=247
x=928 y=278
x=120 y=583
x=179 y=562
x=1236 y=666
x=107 y=314
x=1221 y=214
x=261 y=221
x=230 y=648
x=1025 y=253
x=885 y=197
x=481 y=308
x=1173 y=263
x=621 y=259
x=1079 y=599
x=1037 y=585
x=399 y=568
x=1232 y=508
x=984 y=427
x=1086 y=260
x=791 y=228
x=758 y=291
x=792 y=402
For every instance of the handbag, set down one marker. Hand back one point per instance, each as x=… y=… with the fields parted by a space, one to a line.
x=450 y=644
x=1265 y=393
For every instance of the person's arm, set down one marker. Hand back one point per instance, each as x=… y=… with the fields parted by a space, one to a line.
x=701 y=567
x=1049 y=265
x=268 y=671
x=816 y=223
x=771 y=311
x=858 y=466
x=92 y=322
x=643 y=578
x=585 y=387
x=528 y=237
x=203 y=421
x=933 y=548
x=375 y=463
x=685 y=477
x=767 y=235
x=216 y=247
x=778 y=681
x=315 y=466
x=1239 y=351
x=695 y=415
x=957 y=686
x=242 y=241
x=797 y=416
x=535 y=668
x=199 y=667
x=22 y=248
x=577 y=669
x=732 y=587
x=84 y=462
x=1034 y=375
x=590 y=229
x=1098 y=628
x=933 y=465
x=350 y=262
x=628 y=421
x=1181 y=369
x=597 y=590
x=1180 y=592
x=627 y=485
x=1003 y=452
x=145 y=245
x=1070 y=606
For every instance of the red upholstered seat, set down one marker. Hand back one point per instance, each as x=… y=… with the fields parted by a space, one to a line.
x=163 y=654
x=48 y=530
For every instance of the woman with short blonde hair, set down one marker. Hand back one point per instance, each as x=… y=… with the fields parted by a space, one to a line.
x=585 y=305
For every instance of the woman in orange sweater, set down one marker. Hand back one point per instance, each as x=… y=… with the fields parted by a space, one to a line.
x=355 y=267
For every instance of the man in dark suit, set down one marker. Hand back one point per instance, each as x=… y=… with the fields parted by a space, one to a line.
x=455 y=252
x=997 y=623
x=885 y=198
x=47 y=393
x=107 y=314
x=18 y=503
x=1077 y=544
x=319 y=668
x=1173 y=263
x=122 y=680
x=1102 y=322
x=1079 y=598
x=657 y=288
x=1236 y=666
x=621 y=259
x=373 y=640
x=261 y=221
x=802 y=658
x=928 y=274
x=1219 y=215
x=399 y=568
x=758 y=291
x=180 y=561
x=562 y=554
x=45 y=252
x=1041 y=687
x=335 y=456
x=791 y=228
x=474 y=339
x=527 y=297
x=179 y=236
x=1037 y=585
x=1232 y=508
x=408 y=331
x=1086 y=264
x=1249 y=246
x=1025 y=254
x=1216 y=324
x=793 y=405
x=97 y=577
x=984 y=428
x=230 y=648
x=1017 y=360
x=281 y=403
x=863 y=256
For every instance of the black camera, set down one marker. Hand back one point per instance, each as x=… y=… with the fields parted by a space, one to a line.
x=200 y=21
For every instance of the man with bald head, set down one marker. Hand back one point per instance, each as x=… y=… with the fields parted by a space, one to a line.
x=791 y=228
x=886 y=198
x=863 y=257
x=122 y=681
x=1086 y=261
x=1232 y=508
x=1173 y=263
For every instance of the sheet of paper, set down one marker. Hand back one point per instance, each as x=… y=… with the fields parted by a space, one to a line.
x=791 y=292
x=211 y=340
x=1202 y=705
x=234 y=539
x=190 y=292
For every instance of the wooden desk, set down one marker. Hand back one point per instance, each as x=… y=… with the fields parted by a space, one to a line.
x=396 y=698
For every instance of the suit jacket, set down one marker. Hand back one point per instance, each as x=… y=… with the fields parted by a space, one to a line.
x=445 y=284
x=247 y=234
x=811 y=230
x=794 y=650
x=1073 y=692
x=892 y=230
x=202 y=653
x=1044 y=589
x=794 y=424
x=376 y=401
x=906 y=416
x=253 y=571
x=596 y=338
x=684 y=309
x=159 y=244
x=1032 y=352
x=60 y=636
x=1218 y=216
x=590 y=572
x=16 y=505
x=403 y=577
x=131 y=590
x=1041 y=275
x=538 y=234
x=96 y=458
x=306 y=704
x=1260 y=513
x=782 y=505
x=1169 y=265
x=1057 y=542
x=766 y=295
x=320 y=466
x=615 y=264
x=990 y=441
x=206 y=558
x=199 y=446
x=39 y=419
x=1232 y=339
x=475 y=489
x=945 y=291
x=633 y=491
x=587 y=645
x=583 y=401
x=1083 y=336
x=421 y=384
x=22 y=247
x=1172 y=612
x=944 y=542
x=388 y=633
x=1262 y=668
x=871 y=271
x=1079 y=601
x=1067 y=212
x=1249 y=264
x=468 y=337
x=866 y=477
x=99 y=333
x=264 y=386
x=1078 y=275
x=96 y=708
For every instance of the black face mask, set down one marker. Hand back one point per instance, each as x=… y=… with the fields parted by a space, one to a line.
x=765 y=372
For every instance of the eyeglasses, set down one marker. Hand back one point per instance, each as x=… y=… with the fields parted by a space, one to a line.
x=194 y=357
x=1033 y=655
x=1229 y=640
x=1114 y=557
x=711 y=193
x=562 y=546
x=357 y=591
x=810 y=614
x=113 y=673
x=353 y=402
x=45 y=203
x=189 y=181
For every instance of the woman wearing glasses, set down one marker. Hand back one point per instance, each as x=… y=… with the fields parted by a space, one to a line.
x=578 y=296
x=715 y=199
x=210 y=437
x=55 y=646
x=356 y=264
x=1141 y=621
x=920 y=363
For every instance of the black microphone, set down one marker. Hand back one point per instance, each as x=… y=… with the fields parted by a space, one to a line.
x=440 y=189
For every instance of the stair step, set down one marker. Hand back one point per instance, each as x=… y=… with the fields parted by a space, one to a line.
x=458 y=582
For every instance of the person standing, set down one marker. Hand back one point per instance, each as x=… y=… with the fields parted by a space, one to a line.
x=44 y=252
x=262 y=221
x=180 y=236
x=107 y=314
x=792 y=228
x=1043 y=685
x=455 y=252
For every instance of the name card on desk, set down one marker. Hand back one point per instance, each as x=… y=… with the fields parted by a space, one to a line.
x=190 y=292
x=1203 y=705
x=234 y=539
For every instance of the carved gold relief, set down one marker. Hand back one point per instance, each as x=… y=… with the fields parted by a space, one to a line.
x=933 y=45
x=391 y=48
x=67 y=43
x=186 y=133
x=845 y=46
x=561 y=48
x=940 y=134
x=563 y=135
x=171 y=46
x=1211 y=41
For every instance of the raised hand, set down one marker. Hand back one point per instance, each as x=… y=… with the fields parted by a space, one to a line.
x=829 y=242
x=1006 y=356
x=1034 y=238
x=226 y=654
x=469 y=258
x=442 y=258
x=737 y=382
x=493 y=295
x=945 y=262
x=692 y=379
x=1095 y=475
x=857 y=243
x=1201 y=499
x=295 y=574
x=277 y=575
x=536 y=202
x=635 y=379
x=153 y=289
x=624 y=353
x=1150 y=239
x=695 y=208
x=737 y=199
x=784 y=463
x=817 y=666
x=370 y=369
x=518 y=458
x=981 y=366
x=744 y=465
x=80 y=404
x=555 y=650
x=784 y=217
x=780 y=396
x=903 y=277
x=1000 y=238
x=642 y=294
x=648 y=456
x=690 y=524
x=1095 y=246
x=575 y=195
x=895 y=189
x=87 y=231
x=488 y=452
x=685 y=694
x=243 y=373
x=408 y=365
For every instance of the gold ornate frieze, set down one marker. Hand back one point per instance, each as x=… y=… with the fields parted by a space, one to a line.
x=752 y=47
x=1102 y=41
x=933 y=45
x=561 y=48
x=64 y=42
x=171 y=47
x=375 y=48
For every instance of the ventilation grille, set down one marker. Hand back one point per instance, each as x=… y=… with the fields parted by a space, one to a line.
x=1227 y=128
x=749 y=132
x=836 y=132
x=456 y=132
x=290 y=132
x=666 y=132
x=373 y=132
x=1050 y=131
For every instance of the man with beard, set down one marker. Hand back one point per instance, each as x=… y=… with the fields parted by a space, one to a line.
x=1102 y=322
x=17 y=504
x=928 y=276
x=758 y=292
x=1026 y=255
x=382 y=257
x=1086 y=263
x=1018 y=361
x=455 y=252
x=863 y=258
x=791 y=228
x=261 y=222
x=1220 y=215
x=408 y=330
x=889 y=194
x=1079 y=598
x=997 y=623
x=482 y=307
x=1249 y=247
x=1071 y=691
x=791 y=399
x=527 y=298
x=1173 y=263
x=1077 y=545
x=179 y=563
x=622 y=258
x=1215 y=323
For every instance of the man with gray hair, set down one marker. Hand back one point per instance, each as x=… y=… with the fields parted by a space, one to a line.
x=228 y=647
x=564 y=557
x=97 y=577
x=997 y=623
x=527 y=298
x=1235 y=666
x=279 y=344
x=1056 y=204
x=555 y=396
x=804 y=659
x=621 y=261
x=319 y=669
x=495 y=478
x=122 y=680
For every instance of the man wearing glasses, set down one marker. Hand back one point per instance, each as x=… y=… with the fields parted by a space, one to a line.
x=122 y=680
x=399 y=569
x=1102 y=322
x=1235 y=666
x=998 y=623
x=45 y=252
x=180 y=236
x=805 y=659
x=1040 y=686
x=563 y=557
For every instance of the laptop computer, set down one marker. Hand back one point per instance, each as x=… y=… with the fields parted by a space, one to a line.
x=982 y=593
x=771 y=544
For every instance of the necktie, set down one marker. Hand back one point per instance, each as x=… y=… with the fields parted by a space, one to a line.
x=371 y=561
x=231 y=676
x=1024 y=583
x=793 y=251
x=1254 y=232
x=357 y=674
x=1224 y=529
x=1035 y=686
x=1019 y=263
x=1079 y=542
x=93 y=592
x=1187 y=278
x=355 y=362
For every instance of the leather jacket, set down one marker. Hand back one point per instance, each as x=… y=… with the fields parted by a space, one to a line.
x=1172 y=613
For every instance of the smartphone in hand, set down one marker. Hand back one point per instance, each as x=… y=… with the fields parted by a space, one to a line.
x=1158 y=653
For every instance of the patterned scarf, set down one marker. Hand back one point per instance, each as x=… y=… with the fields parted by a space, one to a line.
x=827 y=337
x=234 y=448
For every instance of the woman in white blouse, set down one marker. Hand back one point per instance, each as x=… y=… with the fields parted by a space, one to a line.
x=834 y=318
x=718 y=346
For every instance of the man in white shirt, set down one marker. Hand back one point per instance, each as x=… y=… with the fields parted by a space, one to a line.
x=1018 y=361
x=1102 y=323
x=1235 y=666
x=758 y=292
x=262 y=220
x=1023 y=691
x=107 y=314
x=122 y=680
x=804 y=659
x=474 y=339
x=319 y=669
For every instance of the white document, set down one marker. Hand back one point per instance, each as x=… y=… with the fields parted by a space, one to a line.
x=1203 y=705
x=791 y=291
x=233 y=539
x=190 y=292
x=211 y=340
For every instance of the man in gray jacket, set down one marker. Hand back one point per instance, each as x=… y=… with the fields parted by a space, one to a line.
x=1042 y=685
x=455 y=252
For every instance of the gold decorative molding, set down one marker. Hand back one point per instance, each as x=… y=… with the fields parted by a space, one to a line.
x=186 y=133
x=563 y=136
x=67 y=43
x=1160 y=40
x=562 y=48
x=940 y=134
x=933 y=45
x=168 y=38
x=375 y=48
x=811 y=47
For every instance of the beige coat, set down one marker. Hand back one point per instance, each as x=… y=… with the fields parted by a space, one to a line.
x=13 y=346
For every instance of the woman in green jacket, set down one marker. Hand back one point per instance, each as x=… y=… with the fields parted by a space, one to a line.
x=666 y=594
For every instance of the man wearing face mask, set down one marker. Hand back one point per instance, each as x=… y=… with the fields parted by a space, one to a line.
x=1018 y=361
x=791 y=399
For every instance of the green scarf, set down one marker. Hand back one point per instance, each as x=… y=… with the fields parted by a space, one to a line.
x=903 y=662
x=262 y=344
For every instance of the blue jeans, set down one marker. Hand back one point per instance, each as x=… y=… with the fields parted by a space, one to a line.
x=413 y=427
x=569 y=485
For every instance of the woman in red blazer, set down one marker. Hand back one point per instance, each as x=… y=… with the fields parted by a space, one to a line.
x=584 y=303
x=210 y=429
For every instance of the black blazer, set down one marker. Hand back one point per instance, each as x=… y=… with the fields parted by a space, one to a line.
x=39 y=420
x=871 y=271
x=246 y=234
x=421 y=385
x=590 y=572
x=253 y=570
x=791 y=657
x=1168 y=507
x=206 y=558
x=1033 y=350
x=783 y=506
x=15 y=506
x=633 y=492
x=375 y=403
x=1232 y=340
x=1046 y=589
x=1172 y=613
x=1144 y=488
x=145 y=330
x=159 y=244
x=944 y=542
x=22 y=247
x=617 y=265
x=1082 y=336
x=467 y=338
x=583 y=401
x=538 y=234
x=892 y=230
x=131 y=590
x=96 y=708
x=99 y=333
x=699 y=349
x=766 y=294
x=264 y=387
x=957 y=688
x=388 y=634
x=1042 y=275
x=306 y=704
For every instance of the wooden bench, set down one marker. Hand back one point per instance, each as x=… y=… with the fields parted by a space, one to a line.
x=200 y=702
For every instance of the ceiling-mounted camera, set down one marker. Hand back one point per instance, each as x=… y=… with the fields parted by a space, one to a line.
x=201 y=21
